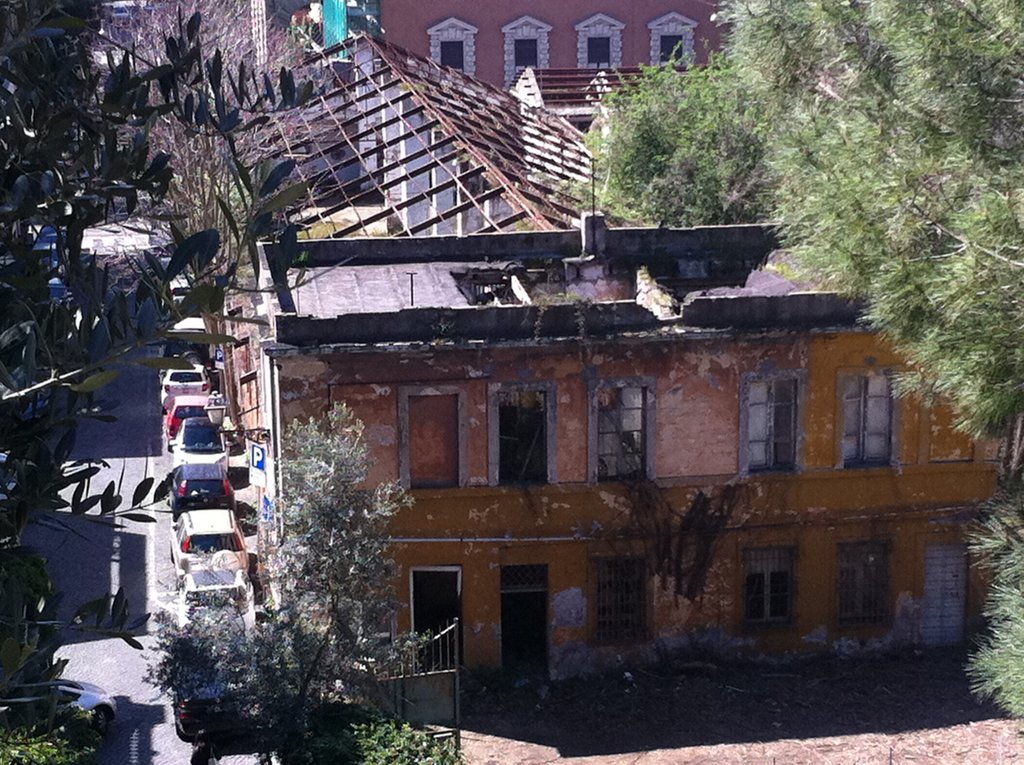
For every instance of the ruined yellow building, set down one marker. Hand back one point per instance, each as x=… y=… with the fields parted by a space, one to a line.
x=615 y=455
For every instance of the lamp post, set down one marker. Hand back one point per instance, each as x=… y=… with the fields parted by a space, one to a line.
x=215 y=408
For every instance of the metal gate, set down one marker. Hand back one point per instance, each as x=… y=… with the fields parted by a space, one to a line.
x=424 y=691
x=945 y=594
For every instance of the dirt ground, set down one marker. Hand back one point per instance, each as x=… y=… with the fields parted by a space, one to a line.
x=915 y=708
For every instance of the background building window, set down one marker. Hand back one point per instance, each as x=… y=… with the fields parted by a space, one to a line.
x=621 y=599
x=670 y=45
x=452 y=54
x=620 y=432
x=671 y=34
x=771 y=424
x=599 y=42
x=599 y=52
x=453 y=43
x=525 y=53
x=526 y=45
x=863 y=582
x=768 y=584
x=522 y=436
x=867 y=419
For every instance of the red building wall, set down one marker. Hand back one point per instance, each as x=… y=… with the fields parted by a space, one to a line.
x=406 y=22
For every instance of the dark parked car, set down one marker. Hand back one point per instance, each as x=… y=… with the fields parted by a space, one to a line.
x=198 y=485
x=206 y=710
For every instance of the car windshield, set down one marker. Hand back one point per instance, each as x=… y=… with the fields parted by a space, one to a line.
x=189 y=411
x=186 y=377
x=209 y=543
x=202 y=438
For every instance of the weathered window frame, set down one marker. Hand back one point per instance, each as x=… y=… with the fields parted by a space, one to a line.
x=549 y=389
x=404 y=431
x=799 y=377
x=854 y=578
x=767 y=561
x=649 y=426
x=624 y=622
x=859 y=457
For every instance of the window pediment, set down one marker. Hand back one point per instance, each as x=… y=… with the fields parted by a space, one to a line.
x=599 y=22
x=671 y=22
x=452 y=24
x=526 y=26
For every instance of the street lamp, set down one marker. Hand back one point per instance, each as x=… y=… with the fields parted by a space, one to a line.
x=215 y=408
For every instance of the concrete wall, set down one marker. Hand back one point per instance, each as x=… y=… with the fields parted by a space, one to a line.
x=916 y=501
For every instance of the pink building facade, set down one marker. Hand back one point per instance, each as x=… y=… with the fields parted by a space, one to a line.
x=494 y=40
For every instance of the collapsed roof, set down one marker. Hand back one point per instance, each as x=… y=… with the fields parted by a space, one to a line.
x=574 y=94
x=399 y=145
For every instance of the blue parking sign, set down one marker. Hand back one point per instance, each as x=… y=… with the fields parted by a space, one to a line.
x=257 y=457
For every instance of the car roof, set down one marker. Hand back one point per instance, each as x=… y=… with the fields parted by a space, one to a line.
x=199 y=470
x=212 y=520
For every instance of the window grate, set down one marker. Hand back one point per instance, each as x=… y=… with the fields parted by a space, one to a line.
x=863 y=582
x=529 y=578
x=621 y=599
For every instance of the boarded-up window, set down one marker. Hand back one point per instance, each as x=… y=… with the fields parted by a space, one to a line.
x=433 y=441
x=867 y=419
x=768 y=584
x=863 y=582
x=771 y=424
x=620 y=432
x=621 y=599
x=522 y=436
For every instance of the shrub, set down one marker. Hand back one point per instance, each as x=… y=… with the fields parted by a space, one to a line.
x=71 y=742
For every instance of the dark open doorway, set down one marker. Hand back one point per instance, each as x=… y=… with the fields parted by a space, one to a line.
x=524 y=615
x=437 y=601
x=436 y=598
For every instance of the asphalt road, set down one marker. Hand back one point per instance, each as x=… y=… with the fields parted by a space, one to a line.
x=88 y=558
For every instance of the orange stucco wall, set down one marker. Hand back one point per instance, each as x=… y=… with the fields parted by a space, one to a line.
x=918 y=501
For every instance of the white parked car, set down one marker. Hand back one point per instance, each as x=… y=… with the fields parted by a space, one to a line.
x=183 y=382
x=199 y=441
x=209 y=538
x=226 y=589
x=91 y=698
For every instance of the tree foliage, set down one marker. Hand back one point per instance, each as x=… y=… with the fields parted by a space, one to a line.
x=683 y=148
x=77 y=152
x=332 y=595
x=898 y=147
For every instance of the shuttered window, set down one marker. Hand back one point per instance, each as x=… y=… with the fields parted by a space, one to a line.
x=867 y=419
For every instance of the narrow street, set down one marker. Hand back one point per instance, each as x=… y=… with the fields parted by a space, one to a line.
x=88 y=558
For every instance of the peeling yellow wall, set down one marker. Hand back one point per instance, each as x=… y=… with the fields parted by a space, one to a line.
x=921 y=501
